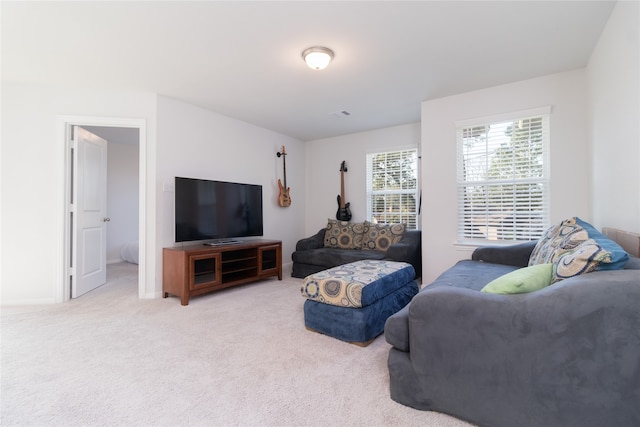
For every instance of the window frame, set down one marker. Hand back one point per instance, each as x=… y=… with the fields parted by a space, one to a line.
x=525 y=232
x=415 y=192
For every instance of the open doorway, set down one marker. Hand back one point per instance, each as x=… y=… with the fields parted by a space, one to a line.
x=123 y=166
x=125 y=218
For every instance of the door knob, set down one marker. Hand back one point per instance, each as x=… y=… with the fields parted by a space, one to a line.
x=106 y=219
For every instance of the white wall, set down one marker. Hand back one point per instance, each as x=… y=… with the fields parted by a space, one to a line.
x=198 y=143
x=614 y=100
x=570 y=156
x=32 y=170
x=122 y=197
x=188 y=141
x=323 y=159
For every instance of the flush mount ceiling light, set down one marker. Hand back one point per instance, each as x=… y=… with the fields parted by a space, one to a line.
x=317 y=57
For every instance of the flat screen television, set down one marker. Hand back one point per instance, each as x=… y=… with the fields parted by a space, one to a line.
x=216 y=210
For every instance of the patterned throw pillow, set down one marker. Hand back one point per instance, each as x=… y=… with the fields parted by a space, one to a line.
x=558 y=239
x=575 y=247
x=584 y=258
x=343 y=235
x=380 y=237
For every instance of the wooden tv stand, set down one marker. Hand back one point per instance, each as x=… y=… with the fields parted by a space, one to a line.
x=195 y=270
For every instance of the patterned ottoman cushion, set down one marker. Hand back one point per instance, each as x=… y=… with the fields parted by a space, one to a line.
x=357 y=284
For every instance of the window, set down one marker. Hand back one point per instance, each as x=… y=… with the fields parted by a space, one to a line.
x=392 y=188
x=503 y=178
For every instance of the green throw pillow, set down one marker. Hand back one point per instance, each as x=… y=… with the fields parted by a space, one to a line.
x=521 y=281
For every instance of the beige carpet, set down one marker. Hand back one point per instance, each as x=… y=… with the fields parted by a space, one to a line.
x=236 y=357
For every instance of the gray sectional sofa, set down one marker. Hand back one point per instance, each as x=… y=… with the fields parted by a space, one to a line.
x=311 y=255
x=565 y=355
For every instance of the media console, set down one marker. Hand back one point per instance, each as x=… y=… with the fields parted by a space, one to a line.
x=195 y=270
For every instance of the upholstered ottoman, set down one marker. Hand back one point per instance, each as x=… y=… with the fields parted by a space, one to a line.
x=351 y=302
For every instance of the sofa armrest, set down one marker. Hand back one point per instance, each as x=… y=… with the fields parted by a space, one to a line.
x=408 y=250
x=517 y=255
x=314 y=242
x=396 y=329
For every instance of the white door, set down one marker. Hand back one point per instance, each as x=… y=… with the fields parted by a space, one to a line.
x=89 y=241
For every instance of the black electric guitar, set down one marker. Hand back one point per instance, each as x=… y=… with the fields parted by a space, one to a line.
x=284 y=199
x=343 y=214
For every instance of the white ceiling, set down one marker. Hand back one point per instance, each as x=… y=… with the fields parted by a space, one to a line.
x=243 y=59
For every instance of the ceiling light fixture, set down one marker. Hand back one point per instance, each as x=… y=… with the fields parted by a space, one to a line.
x=317 y=57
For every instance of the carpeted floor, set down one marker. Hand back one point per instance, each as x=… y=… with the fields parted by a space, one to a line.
x=236 y=357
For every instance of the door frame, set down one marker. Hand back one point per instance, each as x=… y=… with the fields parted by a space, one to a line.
x=63 y=292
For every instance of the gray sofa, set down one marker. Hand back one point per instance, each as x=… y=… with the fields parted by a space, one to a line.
x=565 y=355
x=311 y=256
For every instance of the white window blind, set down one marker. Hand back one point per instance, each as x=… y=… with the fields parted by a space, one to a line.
x=503 y=179
x=392 y=187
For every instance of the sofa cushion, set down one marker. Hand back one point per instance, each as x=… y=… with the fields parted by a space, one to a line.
x=343 y=235
x=330 y=257
x=470 y=274
x=521 y=281
x=381 y=236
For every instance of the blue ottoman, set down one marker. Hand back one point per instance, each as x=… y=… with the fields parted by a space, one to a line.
x=353 y=301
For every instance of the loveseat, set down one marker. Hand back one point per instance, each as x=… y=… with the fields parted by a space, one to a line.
x=342 y=243
x=565 y=354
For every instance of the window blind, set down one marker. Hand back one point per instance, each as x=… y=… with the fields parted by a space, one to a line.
x=502 y=177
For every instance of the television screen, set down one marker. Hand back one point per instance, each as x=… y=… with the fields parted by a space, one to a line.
x=216 y=209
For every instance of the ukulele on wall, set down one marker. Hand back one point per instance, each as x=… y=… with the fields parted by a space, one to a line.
x=284 y=199
x=343 y=214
